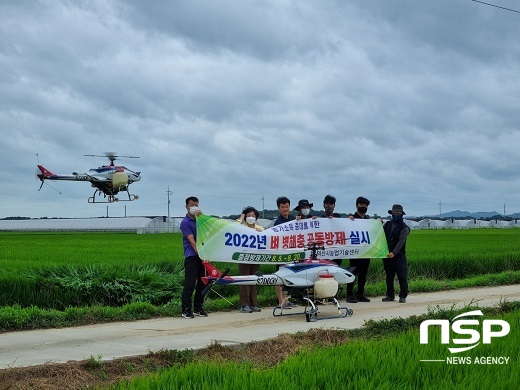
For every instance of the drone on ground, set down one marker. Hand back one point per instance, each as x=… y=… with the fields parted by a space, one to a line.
x=311 y=281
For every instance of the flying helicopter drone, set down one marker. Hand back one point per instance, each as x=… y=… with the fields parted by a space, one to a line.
x=108 y=180
x=310 y=281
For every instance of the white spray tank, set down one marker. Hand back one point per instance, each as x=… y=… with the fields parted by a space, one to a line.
x=119 y=178
x=326 y=286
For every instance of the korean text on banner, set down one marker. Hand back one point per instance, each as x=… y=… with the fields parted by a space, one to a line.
x=340 y=238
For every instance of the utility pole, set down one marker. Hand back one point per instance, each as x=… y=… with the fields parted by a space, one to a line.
x=504 y=209
x=263 y=207
x=168 y=193
x=440 y=209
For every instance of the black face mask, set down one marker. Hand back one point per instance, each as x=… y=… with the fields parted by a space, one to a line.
x=397 y=218
x=362 y=210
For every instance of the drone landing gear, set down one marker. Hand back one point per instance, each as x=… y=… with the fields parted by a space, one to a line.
x=111 y=198
x=311 y=311
x=278 y=311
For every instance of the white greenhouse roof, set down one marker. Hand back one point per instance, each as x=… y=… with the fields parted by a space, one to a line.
x=80 y=224
x=171 y=225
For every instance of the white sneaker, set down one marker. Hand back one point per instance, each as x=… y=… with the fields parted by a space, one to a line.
x=287 y=305
x=245 y=309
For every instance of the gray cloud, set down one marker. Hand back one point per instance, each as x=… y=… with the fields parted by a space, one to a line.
x=403 y=101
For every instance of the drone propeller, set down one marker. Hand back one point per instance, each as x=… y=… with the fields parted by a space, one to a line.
x=110 y=155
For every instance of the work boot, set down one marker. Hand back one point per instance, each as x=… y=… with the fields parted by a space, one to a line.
x=388 y=299
x=351 y=299
x=402 y=300
x=363 y=299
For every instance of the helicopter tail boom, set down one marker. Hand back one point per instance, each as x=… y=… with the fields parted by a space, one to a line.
x=45 y=173
x=48 y=175
x=214 y=276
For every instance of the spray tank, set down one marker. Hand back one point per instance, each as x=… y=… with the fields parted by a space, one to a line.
x=326 y=286
x=119 y=178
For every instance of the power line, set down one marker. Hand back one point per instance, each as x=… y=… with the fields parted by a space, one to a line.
x=497 y=6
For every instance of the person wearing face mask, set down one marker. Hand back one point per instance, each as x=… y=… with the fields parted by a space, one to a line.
x=360 y=265
x=248 y=294
x=193 y=268
x=304 y=209
x=396 y=263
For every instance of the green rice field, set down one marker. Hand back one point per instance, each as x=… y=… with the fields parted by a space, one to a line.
x=106 y=271
x=394 y=361
x=66 y=279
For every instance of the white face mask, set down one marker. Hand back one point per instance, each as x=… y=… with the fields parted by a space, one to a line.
x=193 y=209
x=250 y=220
x=306 y=211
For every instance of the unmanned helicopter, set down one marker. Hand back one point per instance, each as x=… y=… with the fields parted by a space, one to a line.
x=108 y=180
x=310 y=281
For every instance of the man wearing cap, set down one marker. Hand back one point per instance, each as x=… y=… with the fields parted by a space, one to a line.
x=304 y=209
x=396 y=263
x=360 y=265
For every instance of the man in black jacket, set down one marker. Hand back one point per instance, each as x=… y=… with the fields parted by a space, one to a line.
x=396 y=263
x=361 y=265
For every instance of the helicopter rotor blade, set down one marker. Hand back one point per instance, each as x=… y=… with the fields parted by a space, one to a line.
x=110 y=155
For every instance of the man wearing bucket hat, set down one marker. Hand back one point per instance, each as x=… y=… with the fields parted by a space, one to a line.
x=396 y=263
x=304 y=209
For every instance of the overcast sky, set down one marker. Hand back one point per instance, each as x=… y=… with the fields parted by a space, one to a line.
x=238 y=102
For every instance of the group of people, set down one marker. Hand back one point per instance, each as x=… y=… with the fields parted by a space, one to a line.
x=395 y=264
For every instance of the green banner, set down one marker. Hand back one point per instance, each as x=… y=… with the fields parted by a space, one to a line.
x=337 y=238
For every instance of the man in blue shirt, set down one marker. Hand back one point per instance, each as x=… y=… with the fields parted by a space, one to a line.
x=193 y=268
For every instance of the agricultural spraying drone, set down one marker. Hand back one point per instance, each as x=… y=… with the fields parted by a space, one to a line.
x=310 y=281
x=108 y=180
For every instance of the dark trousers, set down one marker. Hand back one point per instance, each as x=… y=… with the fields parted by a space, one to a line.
x=361 y=272
x=248 y=296
x=193 y=272
x=396 y=266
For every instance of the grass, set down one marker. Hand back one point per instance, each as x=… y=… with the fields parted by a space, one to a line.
x=63 y=279
x=389 y=351
x=327 y=358
x=19 y=251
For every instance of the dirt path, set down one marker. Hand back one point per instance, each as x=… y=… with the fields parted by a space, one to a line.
x=113 y=340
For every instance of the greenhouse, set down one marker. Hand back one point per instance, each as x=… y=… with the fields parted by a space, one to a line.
x=163 y=224
x=138 y=225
